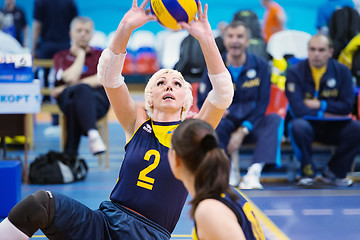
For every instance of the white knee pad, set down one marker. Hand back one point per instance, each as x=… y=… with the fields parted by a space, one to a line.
x=109 y=69
x=221 y=95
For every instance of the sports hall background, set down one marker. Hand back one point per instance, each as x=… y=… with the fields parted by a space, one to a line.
x=107 y=13
x=287 y=212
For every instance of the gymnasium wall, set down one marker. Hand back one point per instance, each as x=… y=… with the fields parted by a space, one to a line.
x=107 y=13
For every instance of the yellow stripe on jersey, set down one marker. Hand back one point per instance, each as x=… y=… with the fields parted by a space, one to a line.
x=164 y=133
x=269 y=228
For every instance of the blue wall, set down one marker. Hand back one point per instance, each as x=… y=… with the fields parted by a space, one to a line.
x=107 y=13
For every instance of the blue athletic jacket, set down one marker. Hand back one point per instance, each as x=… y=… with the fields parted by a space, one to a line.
x=335 y=91
x=252 y=91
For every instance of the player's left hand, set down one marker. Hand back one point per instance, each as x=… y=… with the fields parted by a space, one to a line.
x=137 y=16
x=199 y=28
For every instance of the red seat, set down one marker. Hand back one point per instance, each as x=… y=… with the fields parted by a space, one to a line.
x=194 y=109
x=129 y=65
x=278 y=102
x=146 y=63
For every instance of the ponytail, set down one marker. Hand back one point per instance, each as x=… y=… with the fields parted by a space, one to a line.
x=195 y=142
x=211 y=177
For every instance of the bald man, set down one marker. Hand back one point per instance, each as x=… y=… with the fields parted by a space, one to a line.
x=321 y=98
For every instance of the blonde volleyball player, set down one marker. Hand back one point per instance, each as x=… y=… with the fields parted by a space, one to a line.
x=147 y=200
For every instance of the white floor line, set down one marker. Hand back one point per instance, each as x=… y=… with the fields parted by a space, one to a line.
x=320 y=212
x=354 y=211
x=279 y=212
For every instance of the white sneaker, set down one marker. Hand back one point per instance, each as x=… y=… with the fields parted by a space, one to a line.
x=329 y=177
x=343 y=182
x=306 y=182
x=251 y=181
x=96 y=144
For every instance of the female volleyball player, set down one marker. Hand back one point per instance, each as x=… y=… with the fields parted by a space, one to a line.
x=147 y=200
x=219 y=211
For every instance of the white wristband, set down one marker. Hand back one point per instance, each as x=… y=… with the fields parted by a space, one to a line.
x=109 y=69
x=221 y=95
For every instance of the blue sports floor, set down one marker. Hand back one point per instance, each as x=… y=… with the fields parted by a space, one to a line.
x=285 y=211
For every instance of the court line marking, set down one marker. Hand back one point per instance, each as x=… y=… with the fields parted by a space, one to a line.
x=317 y=212
x=314 y=212
x=271 y=231
x=349 y=211
x=279 y=212
x=304 y=193
x=181 y=235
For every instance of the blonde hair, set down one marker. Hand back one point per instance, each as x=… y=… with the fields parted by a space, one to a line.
x=151 y=83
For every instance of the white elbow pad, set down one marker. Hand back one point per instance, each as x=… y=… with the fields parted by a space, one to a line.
x=109 y=69
x=221 y=95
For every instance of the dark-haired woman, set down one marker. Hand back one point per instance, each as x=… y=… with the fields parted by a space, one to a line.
x=219 y=210
x=147 y=199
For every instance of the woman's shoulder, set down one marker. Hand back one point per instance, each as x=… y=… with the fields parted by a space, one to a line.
x=209 y=207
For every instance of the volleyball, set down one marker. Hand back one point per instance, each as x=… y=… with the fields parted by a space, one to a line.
x=170 y=12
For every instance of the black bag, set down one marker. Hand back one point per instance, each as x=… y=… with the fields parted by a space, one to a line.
x=344 y=25
x=251 y=20
x=191 y=63
x=57 y=167
x=257 y=46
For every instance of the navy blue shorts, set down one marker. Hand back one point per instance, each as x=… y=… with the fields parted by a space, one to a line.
x=73 y=220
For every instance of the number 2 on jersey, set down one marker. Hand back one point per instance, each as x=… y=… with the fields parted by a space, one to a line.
x=143 y=180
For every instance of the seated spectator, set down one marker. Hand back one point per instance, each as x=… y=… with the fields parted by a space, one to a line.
x=245 y=120
x=78 y=92
x=325 y=12
x=321 y=97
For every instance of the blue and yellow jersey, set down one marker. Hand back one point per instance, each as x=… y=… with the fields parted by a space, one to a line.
x=251 y=90
x=146 y=183
x=335 y=91
x=245 y=215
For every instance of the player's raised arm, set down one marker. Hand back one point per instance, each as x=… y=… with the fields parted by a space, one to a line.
x=110 y=67
x=220 y=97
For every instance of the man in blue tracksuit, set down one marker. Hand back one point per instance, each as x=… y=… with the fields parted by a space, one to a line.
x=245 y=120
x=321 y=97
